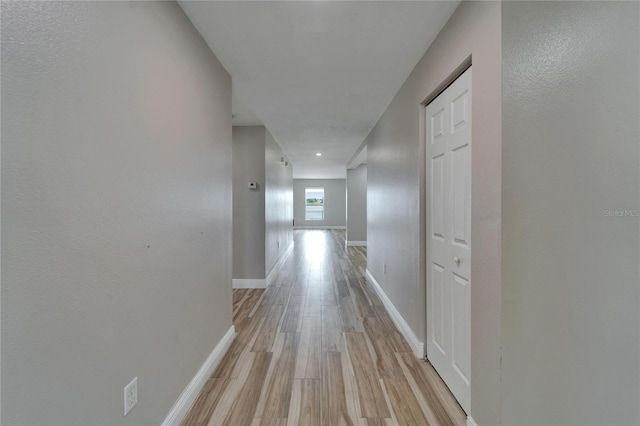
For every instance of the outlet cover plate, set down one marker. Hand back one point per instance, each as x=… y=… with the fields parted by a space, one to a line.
x=130 y=396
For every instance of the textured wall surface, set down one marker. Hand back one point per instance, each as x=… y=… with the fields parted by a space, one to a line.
x=357 y=204
x=570 y=263
x=335 y=201
x=396 y=187
x=278 y=218
x=116 y=209
x=248 y=204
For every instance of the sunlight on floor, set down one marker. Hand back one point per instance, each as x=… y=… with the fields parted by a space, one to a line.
x=315 y=245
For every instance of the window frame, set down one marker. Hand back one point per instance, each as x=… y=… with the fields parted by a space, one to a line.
x=314 y=189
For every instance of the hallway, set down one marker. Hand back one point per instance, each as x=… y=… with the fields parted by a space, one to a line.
x=317 y=347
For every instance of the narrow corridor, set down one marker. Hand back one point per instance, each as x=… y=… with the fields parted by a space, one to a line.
x=318 y=347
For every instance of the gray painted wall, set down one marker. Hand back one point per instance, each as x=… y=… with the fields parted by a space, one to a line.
x=570 y=272
x=116 y=209
x=248 y=204
x=335 y=203
x=396 y=185
x=278 y=204
x=357 y=203
x=262 y=218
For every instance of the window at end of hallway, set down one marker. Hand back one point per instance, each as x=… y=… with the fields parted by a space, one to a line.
x=314 y=204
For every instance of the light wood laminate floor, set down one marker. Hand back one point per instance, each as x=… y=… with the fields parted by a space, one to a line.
x=318 y=347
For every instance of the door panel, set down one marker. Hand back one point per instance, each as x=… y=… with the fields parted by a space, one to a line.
x=448 y=149
x=437 y=125
x=459 y=110
x=437 y=179
x=460 y=194
x=437 y=325
x=460 y=353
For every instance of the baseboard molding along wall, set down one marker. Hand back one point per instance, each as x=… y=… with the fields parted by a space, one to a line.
x=319 y=227
x=416 y=345
x=246 y=283
x=262 y=283
x=274 y=271
x=357 y=243
x=190 y=393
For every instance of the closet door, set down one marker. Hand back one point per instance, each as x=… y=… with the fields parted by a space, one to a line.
x=448 y=148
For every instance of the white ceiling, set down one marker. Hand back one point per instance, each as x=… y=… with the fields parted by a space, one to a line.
x=318 y=74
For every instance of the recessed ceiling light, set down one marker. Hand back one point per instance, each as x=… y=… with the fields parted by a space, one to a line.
x=319 y=154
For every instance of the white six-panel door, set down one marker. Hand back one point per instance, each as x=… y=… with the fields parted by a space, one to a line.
x=448 y=148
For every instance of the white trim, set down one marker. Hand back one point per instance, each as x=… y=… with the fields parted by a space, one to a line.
x=416 y=345
x=357 y=243
x=262 y=282
x=471 y=422
x=190 y=393
x=246 y=283
x=274 y=271
x=319 y=227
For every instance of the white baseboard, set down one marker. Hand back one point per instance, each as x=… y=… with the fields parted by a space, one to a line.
x=357 y=243
x=190 y=393
x=416 y=345
x=245 y=283
x=274 y=271
x=471 y=422
x=319 y=227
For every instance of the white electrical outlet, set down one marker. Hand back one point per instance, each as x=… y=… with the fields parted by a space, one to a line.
x=130 y=396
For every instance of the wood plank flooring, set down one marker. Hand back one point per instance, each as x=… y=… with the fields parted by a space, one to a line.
x=318 y=348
